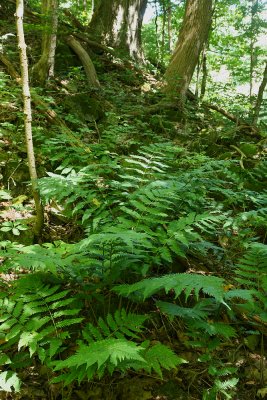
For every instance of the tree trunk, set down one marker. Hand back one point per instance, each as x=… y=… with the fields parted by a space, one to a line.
x=37 y=229
x=163 y=32
x=44 y=68
x=192 y=36
x=85 y=60
x=204 y=72
x=260 y=96
x=169 y=26
x=118 y=24
x=253 y=40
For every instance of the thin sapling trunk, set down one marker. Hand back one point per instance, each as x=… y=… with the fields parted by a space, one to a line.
x=39 y=221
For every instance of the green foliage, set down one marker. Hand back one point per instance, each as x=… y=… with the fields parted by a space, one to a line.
x=251 y=269
x=252 y=278
x=97 y=356
x=142 y=207
x=108 y=346
x=15 y=227
x=120 y=325
x=137 y=205
x=9 y=381
x=224 y=388
x=210 y=285
x=36 y=316
x=141 y=214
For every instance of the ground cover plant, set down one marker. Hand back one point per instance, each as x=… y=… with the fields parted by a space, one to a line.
x=133 y=251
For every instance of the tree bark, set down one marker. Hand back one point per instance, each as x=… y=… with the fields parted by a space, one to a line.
x=204 y=72
x=118 y=24
x=192 y=36
x=169 y=25
x=44 y=68
x=85 y=60
x=260 y=96
x=39 y=222
x=253 y=40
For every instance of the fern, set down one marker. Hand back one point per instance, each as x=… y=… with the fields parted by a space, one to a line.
x=251 y=271
x=110 y=354
x=106 y=347
x=194 y=317
x=35 y=316
x=211 y=328
x=173 y=310
x=252 y=277
x=210 y=285
x=160 y=356
x=120 y=325
x=96 y=354
x=157 y=357
x=140 y=211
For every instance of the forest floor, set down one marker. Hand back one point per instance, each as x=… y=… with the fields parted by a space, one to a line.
x=129 y=111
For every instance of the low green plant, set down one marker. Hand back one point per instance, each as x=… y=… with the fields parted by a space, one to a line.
x=14 y=227
x=142 y=215
x=113 y=345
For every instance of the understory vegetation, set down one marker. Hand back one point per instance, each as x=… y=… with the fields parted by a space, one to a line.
x=149 y=279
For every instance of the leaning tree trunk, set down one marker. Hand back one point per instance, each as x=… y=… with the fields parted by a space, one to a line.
x=44 y=68
x=262 y=87
x=192 y=36
x=118 y=24
x=86 y=61
x=37 y=229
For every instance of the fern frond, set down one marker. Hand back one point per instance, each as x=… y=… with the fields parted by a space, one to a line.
x=160 y=357
x=251 y=271
x=120 y=325
x=101 y=352
x=187 y=283
x=224 y=385
x=32 y=318
x=212 y=328
x=174 y=310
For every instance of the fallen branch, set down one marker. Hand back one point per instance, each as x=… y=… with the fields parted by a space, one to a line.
x=225 y=113
x=241 y=124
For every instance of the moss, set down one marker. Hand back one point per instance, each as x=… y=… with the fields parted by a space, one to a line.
x=85 y=107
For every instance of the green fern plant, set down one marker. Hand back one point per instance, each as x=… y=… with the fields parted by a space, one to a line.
x=187 y=283
x=109 y=346
x=251 y=269
x=36 y=316
x=226 y=389
x=199 y=318
x=146 y=198
x=251 y=278
x=119 y=326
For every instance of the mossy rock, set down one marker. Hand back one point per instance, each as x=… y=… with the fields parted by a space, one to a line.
x=85 y=107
